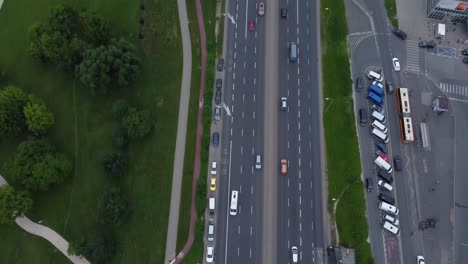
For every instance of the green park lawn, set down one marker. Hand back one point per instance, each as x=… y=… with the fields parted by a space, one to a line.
x=83 y=130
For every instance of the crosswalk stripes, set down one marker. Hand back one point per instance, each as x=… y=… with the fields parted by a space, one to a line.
x=455 y=89
x=412 y=55
x=355 y=38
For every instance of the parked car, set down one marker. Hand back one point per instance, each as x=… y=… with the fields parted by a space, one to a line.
x=430 y=44
x=385 y=185
x=284 y=12
x=396 y=64
x=218 y=97
x=294 y=254
x=217 y=113
x=359 y=84
x=465 y=60
x=386 y=198
x=378 y=84
x=251 y=24
x=465 y=52
x=397 y=163
x=369 y=184
x=376 y=108
x=389 y=86
x=384 y=156
x=420 y=260
x=220 y=65
x=209 y=254
x=215 y=139
x=399 y=33
x=213 y=184
x=219 y=84
x=362 y=117
x=214 y=166
x=382 y=147
x=261 y=9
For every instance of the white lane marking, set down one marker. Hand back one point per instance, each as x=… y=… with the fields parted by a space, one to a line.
x=254 y=96
x=288 y=126
x=243 y=97
x=299 y=162
x=255 y=65
x=298 y=102
x=227 y=212
x=298 y=71
x=242 y=130
x=238 y=229
x=299 y=149
x=255 y=50
x=234 y=65
x=300 y=227
x=244 y=66
x=255 y=34
x=288 y=202
x=251 y=231
x=251 y=189
x=242 y=114
x=300 y=213
x=300 y=199
x=253 y=132
x=288 y=227
x=255 y=82
x=250 y=249
x=253 y=115
x=299 y=137
x=244 y=81
x=251 y=209
x=299 y=125
x=300 y=186
x=235 y=44
x=242 y=150
x=226 y=108
x=238 y=252
x=287 y=77
x=233 y=75
x=235 y=54
x=240 y=169
x=288 y=187
x=231 y=132
x=300 y=173
x=297 y=5
x=246 y=12
x=288 y=144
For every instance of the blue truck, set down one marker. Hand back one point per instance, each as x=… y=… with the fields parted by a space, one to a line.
x=375 y=99
x=377 y=90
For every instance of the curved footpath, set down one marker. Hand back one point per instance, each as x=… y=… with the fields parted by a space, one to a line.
x=197 y=162
x=39 y=230
x=178 y=167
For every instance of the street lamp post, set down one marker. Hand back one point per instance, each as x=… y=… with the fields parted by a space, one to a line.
x=331 y=102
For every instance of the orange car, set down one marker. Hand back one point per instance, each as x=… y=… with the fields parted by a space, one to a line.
x=284 y=166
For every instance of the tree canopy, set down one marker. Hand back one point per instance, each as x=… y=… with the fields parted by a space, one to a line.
x=137 y=123
x=12 y=120
x=66 y=34
x=113 y=207
x=115 y=64
x=38 y=118
x=116 y=164
x=13 y=204
x=37 y=165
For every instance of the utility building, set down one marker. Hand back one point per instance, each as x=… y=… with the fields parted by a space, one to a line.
x=450 y=10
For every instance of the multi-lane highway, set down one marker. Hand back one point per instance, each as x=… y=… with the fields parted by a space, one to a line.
x=275 y=211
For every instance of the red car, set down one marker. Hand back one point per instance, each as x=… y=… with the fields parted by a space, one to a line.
x=251 y=24
x=384 y=156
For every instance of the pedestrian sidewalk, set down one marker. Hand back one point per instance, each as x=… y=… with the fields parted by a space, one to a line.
x=50 y=235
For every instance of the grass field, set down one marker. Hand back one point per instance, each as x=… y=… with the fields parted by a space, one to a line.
x=343 y=157
x=209 y=11
x=83 y=131
x=390 y=5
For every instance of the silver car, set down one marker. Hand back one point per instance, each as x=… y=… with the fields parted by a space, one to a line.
x=217 y=113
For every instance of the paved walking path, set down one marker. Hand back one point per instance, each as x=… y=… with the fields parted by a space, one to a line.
x=39 y=230
x=197 y=162
x=171 y=240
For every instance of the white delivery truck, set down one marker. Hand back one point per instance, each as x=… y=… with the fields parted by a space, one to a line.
x=383 y=164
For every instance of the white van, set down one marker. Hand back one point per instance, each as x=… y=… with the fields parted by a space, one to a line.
x=385 y=185
x=391 y=219
x=381 y=135
x=383 y=164
x=211 y=205
x=210 y=235
x=378 y=116
x=391 y=228
x=388 y=208
x=233 y=208
x=375 y=76
x=380 y=126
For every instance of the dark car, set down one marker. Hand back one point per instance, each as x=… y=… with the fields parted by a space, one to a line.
x=386 y=198
x=399 y=33
x=362 y=117
x=465 y=52
x=427 y=44
x=385 y=176
x=397 y=163
x=218 y=97
x=465 y=60
x=369 y=184
x=215 y=139
x=382 y=147
x=284 y=12
x=359 y=84
x=331 y=255
x=220 y=65
x=389 y=86
x=219 y=84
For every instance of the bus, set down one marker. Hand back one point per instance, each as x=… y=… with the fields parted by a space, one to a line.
x=377 y=90
x=404 y=109
x=375 y=99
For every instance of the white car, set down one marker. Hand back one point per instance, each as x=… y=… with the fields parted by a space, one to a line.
x=294 y=254
x=420 y=260
x=385 y=185
x=214 y=166
x=284 y=103
x=396 y=64
x=209 y=254
x=261 y=9
x=378 y=84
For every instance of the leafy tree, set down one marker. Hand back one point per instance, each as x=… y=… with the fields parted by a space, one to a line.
x=137 y=123
x=113 y=65
x=38 y=118
x=115 y=164
x=100 y=248
x=13 y=204
x=36 y=165
x=12 y=120
x=95 y=30
x=119 y=138
x=113 y=207
x=120 y=108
